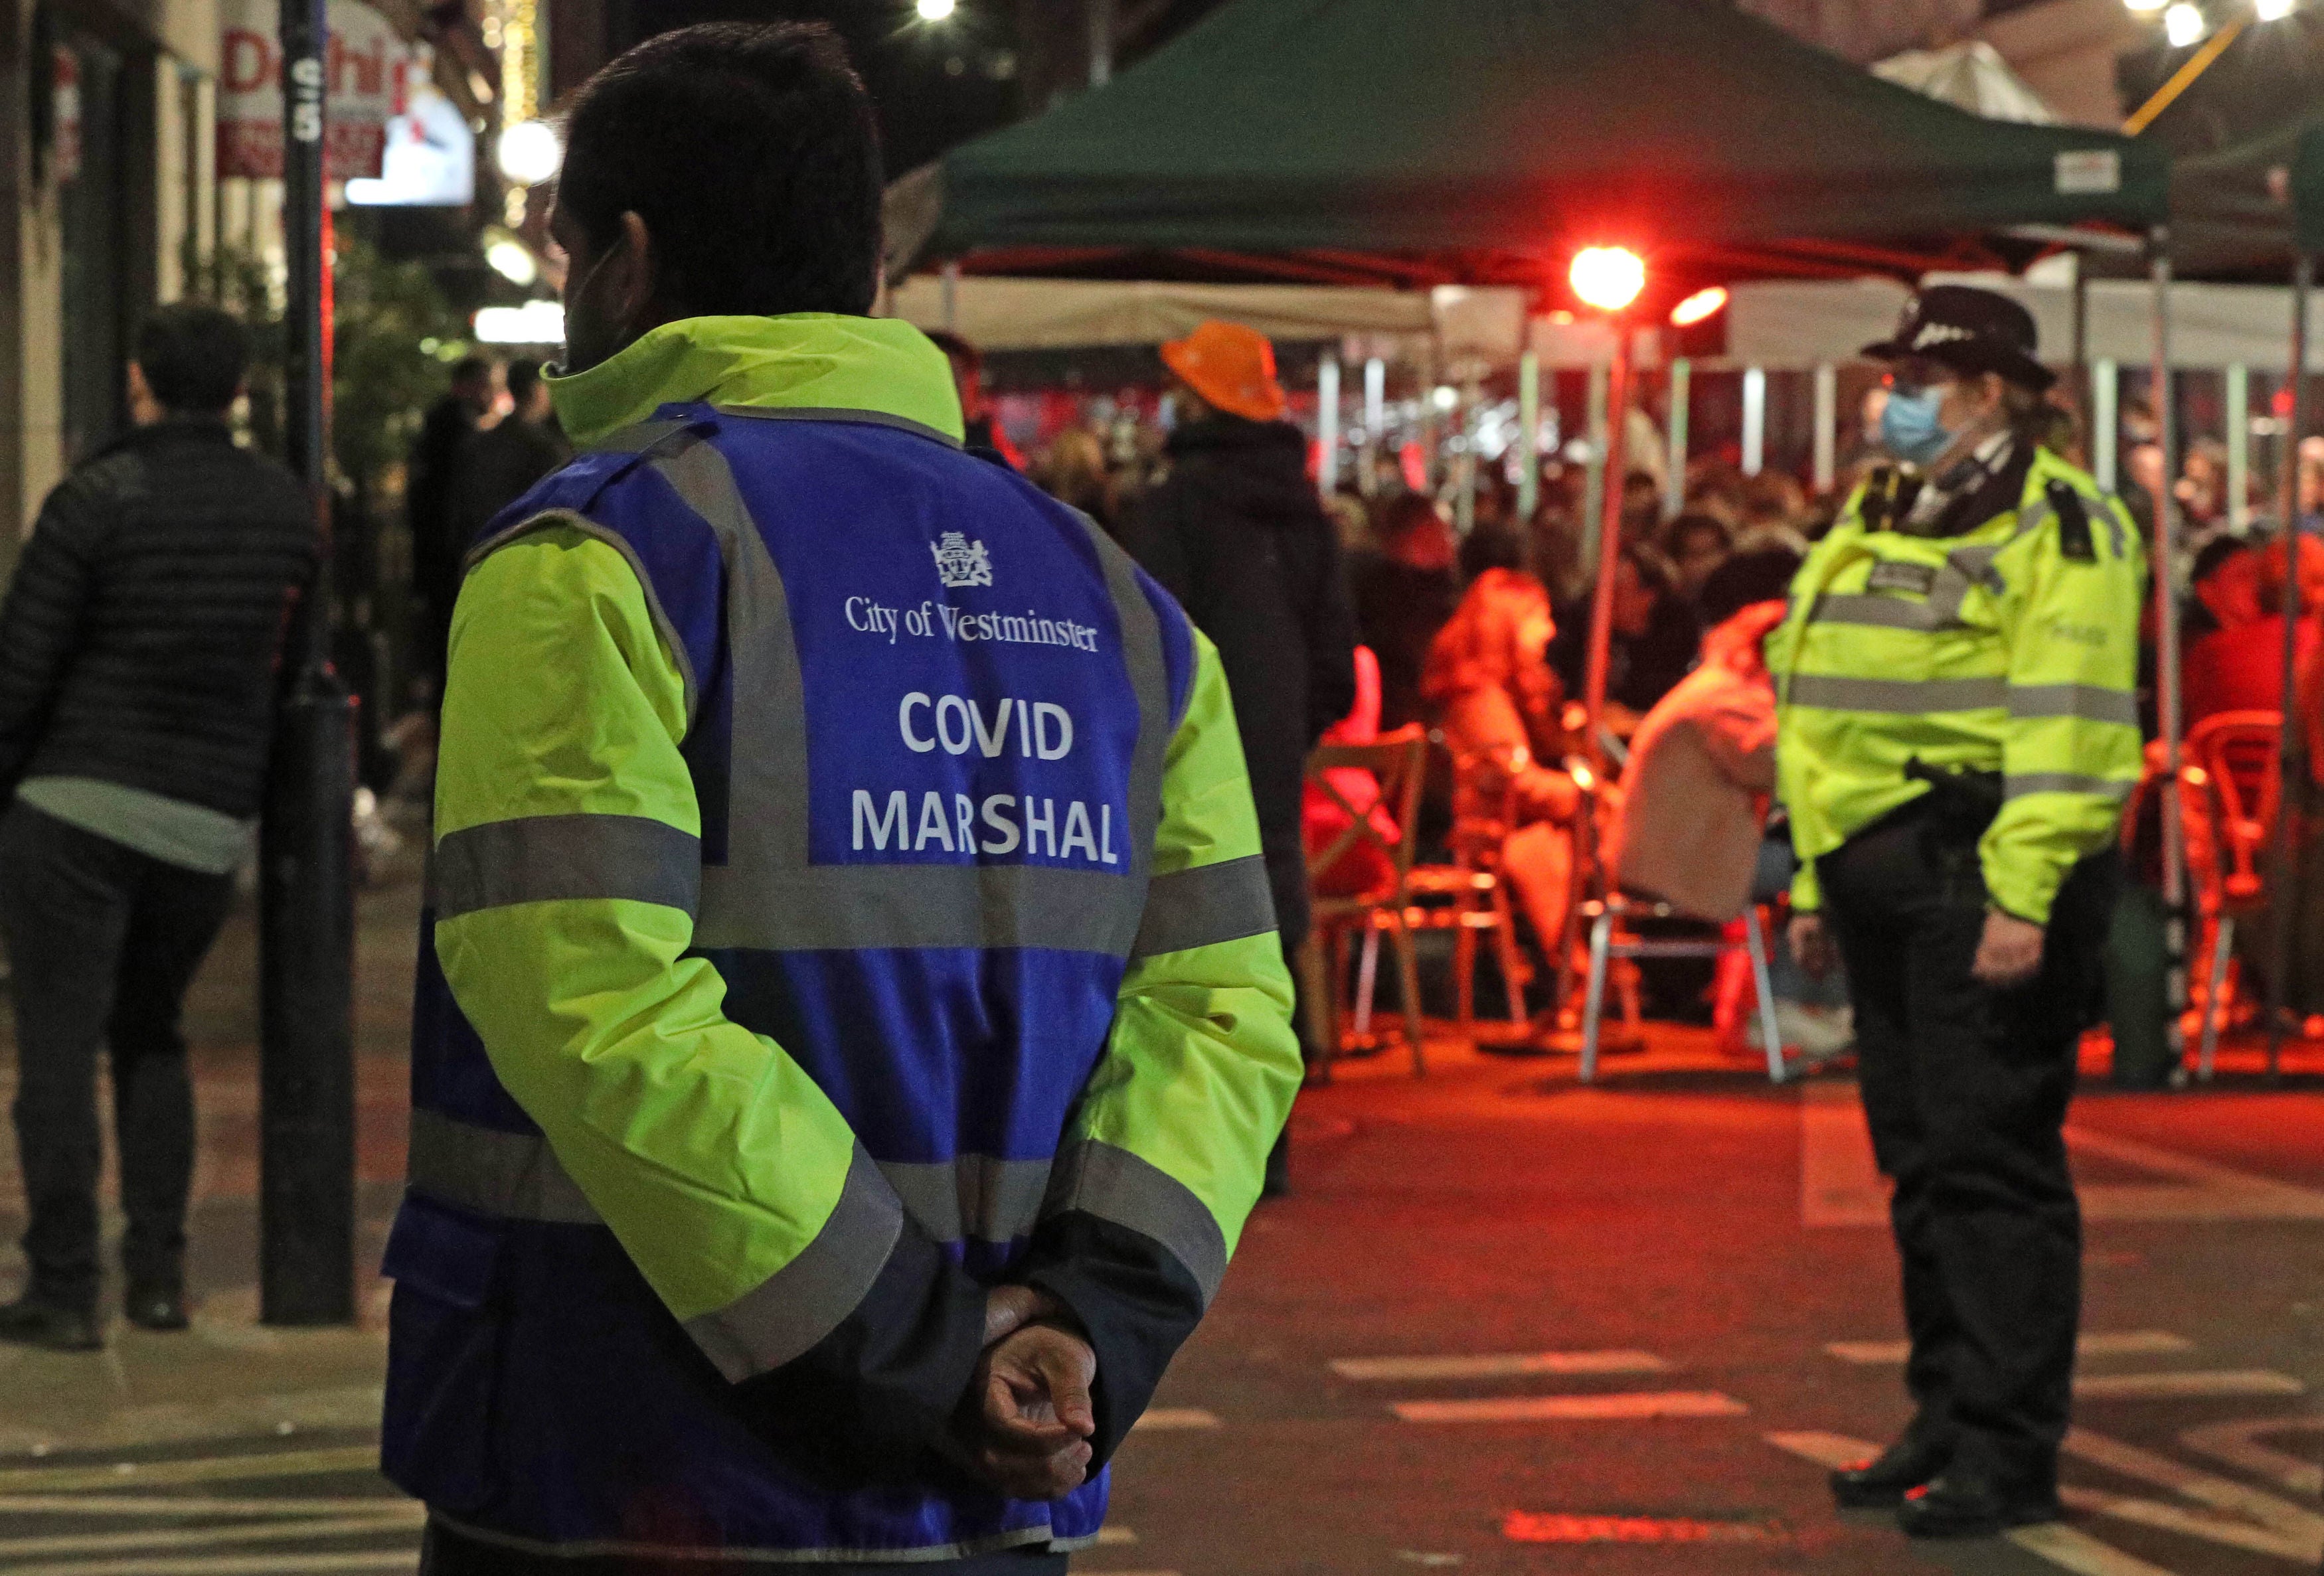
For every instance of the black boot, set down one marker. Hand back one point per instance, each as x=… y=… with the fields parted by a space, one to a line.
x=156 y=1305
x=1964 y=1502
x=1882 y=1482
x=31 y=1322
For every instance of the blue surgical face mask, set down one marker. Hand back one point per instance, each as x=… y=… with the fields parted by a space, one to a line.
x=1909 y=424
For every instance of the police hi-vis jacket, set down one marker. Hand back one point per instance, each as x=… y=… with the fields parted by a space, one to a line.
x=845 y=895
x=2012 y=649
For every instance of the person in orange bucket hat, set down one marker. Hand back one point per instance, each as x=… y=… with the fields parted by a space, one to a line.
x=1229 y=368
x=1235 y=531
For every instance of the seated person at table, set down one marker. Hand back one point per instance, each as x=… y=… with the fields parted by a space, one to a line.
x=1489 y=683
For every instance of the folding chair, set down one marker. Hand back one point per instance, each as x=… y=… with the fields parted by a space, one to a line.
x=1470 y=897
x=1398 y=763
x=1610 y=938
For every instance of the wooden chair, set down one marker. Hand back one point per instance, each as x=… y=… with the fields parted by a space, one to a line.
x=2230 y=789
x=1398 y=763
x=1469 y=896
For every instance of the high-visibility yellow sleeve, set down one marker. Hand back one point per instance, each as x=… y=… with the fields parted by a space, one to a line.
x=1169 y=1147
x=565 y=871
x=2071 y=748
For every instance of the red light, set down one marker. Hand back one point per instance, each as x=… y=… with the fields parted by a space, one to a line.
x=1608 y=278
x=1701 y=304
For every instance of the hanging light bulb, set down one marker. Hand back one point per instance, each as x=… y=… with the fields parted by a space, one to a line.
x=2144 y=7
x=2272 y=9
x=1608 y=278
x=2184 y=25
x=936 y=10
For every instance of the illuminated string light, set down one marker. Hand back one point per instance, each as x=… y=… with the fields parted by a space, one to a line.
x=1608 y=278
x=1701 y=304
x=2184 y=25
x=937 y=10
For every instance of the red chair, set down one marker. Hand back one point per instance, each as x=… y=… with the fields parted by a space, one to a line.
x=2229 y=801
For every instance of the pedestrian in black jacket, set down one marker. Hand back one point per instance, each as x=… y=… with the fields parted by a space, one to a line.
x=139 y=650
x=1236 y=532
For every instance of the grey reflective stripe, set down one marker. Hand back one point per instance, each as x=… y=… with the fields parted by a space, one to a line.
x=2019 y=785
x=511 y=1177
x=567 y=520
x=834 y=413
x=1150 y=682
x=976 y=1196
x=768 y=897
x=2089 y=702
x=1209 y=903
x=1889 y=612
x=545 y=858
x=786 y=1314
x=638 y=437
x=1114 y=1185
x=836 y=906
x=1900 y=697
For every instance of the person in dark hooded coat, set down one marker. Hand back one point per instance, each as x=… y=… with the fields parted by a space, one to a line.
x=1236 y=532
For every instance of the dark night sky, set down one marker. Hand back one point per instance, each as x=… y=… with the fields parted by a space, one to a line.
x=936 y=84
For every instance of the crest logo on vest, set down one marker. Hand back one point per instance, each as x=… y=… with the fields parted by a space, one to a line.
x=961 y=562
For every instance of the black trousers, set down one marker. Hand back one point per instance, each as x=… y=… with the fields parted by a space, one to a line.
x=1966 y=1088
x=103 y=941
x=446 y=1553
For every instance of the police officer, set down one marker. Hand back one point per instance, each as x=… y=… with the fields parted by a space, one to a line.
x=1958 y=737
x=850 y=1029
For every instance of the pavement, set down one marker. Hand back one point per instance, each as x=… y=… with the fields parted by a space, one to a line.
x=1503 y=1324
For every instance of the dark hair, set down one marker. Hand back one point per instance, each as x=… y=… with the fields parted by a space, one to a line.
x=1676 y=533
x=193 y=356
x=1763 y=575
x=1404 y=513
x=1491 y=547
x=751 y=151
x=468 y=369
x=523 y=376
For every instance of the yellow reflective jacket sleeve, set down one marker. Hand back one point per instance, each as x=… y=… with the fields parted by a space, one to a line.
x=564 y=867
x=1168 y=1149
x=2071 y=746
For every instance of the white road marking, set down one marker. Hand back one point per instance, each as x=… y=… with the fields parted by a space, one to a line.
x=2164 y=1387
x=2238 y=1444
x=1115 y=1537
x=1825 y=1450
x=1574 y=1408
x=231 y=1565
x=1840 y=1185
x=2064 y=1546
x=2090 y=1343
x=1498 y=1366
x=1174 y=1417
x=2290 y=1521
x=2209 y=1524
x=182 y=1537
x=2074 y=1550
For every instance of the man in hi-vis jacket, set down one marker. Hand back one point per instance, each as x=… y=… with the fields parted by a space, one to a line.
x=850 y=1027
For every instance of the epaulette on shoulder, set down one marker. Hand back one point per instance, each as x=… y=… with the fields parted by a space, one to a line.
x=2074 y=539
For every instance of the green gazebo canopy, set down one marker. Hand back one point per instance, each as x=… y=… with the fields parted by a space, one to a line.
x=1386 y=139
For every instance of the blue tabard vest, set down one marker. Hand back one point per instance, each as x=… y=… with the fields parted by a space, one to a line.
x=930 y=710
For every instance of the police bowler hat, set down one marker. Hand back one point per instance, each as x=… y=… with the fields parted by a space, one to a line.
x=1970 y=330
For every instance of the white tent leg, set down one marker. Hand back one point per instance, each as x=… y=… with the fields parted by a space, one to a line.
x=1827 y=424
x=1681 y=384
x=2165 y=558
x=2239 y=418
x=1755 y=419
